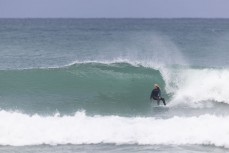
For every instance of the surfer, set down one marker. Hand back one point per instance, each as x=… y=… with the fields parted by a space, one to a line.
x=156 y=94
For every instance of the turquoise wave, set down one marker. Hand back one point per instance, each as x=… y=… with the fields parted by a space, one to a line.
x=95 y=87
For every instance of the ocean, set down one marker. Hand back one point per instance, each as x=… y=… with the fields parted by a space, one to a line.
x=83 y=85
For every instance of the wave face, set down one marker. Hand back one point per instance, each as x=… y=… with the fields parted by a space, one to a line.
x=95 y=87
x=20 y=129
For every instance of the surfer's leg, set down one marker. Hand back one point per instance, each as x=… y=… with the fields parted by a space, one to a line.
x=163 y=101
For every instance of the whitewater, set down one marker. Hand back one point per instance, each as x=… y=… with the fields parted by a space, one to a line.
x=83 y=85
x=20 y=129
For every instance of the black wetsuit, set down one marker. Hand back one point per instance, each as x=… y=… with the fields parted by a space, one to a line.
x=156 y=95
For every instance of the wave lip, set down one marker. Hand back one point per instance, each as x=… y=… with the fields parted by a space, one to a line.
x=17 y=129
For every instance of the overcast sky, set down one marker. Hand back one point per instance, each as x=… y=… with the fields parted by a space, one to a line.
x=114 y=8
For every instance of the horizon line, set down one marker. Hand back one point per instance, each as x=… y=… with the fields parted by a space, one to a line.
x=114 y=18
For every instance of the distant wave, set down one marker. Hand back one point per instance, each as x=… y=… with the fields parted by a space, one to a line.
x=19 y=129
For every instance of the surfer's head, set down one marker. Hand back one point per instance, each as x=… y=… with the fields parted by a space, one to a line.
x=156 y=86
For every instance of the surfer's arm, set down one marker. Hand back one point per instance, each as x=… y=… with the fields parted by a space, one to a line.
x=159 y=92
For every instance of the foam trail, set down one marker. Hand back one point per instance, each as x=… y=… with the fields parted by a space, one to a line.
x=19 y=129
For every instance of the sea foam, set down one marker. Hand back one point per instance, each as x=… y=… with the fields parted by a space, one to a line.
x=195 y=86
x=18 y=129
